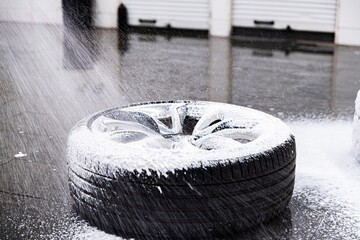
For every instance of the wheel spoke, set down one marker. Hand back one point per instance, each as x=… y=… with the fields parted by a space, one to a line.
x=214 y=131
x=162 y=127
x=225 y=127
x=213 y=142
x=208 y=130
x=207 y=120
x=177 y=113
x=109 y=126
x=238 y=134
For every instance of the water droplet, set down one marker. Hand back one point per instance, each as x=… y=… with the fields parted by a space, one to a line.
x=21 y=131
x=159 y=188
x=20 y=155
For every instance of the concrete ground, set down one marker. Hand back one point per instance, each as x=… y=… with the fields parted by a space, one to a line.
x=51 y=78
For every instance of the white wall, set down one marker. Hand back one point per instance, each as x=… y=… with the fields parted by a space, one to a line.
x=35 y=11
x=106 y=13
x=220 y=22
x=348 y=22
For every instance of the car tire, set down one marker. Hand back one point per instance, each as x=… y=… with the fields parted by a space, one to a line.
x=210 y=198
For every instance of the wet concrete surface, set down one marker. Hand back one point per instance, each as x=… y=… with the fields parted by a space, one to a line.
x=51 y=78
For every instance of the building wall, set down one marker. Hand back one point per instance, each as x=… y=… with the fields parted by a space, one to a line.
x=106 y=13
x=348 y=22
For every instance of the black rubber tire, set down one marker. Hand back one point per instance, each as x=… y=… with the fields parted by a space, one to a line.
x=195 y=203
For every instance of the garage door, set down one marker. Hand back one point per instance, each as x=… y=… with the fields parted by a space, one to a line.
x=187 y=14
x=303 y=15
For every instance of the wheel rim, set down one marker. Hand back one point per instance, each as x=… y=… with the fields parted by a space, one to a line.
x=162 y=126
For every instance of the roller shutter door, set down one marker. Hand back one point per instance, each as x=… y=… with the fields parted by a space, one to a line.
x=302 y=15
x=186 y=14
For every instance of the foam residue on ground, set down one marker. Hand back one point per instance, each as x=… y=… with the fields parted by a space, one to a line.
x=328 y=176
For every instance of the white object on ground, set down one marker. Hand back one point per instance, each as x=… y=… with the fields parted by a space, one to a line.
x=325 y=163
x=20 y=155
x=356 y=128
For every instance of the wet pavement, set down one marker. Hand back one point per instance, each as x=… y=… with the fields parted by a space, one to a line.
x=50 y=78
